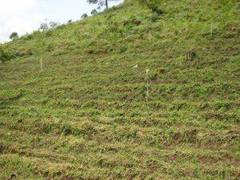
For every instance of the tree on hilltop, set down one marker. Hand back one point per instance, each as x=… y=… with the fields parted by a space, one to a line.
x=13 y=36
x=100 y=2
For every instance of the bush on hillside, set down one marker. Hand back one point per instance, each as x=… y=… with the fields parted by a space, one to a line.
x=23 y=53
x=8 y=54
x=28 y=37
x=5 y=55
x=84 y=16
x=153 y=5
x=94 y=12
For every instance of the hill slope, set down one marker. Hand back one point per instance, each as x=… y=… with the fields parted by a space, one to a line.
x=126 y=94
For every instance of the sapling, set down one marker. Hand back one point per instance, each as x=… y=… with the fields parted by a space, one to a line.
x=147 y=87
x=41 y=65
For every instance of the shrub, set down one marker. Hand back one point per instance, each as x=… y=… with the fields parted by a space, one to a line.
x=28 y=37
x=67 y=129
x=84 y=16
x=5 y=55
x=154 y=17
x=153 y=5
x=23 y=52
x=8 y=54
x=49 y=33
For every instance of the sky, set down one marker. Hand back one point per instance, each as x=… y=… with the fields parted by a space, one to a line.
x=25 y=16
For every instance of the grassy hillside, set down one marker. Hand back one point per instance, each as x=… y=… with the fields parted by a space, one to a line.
x=126 y=94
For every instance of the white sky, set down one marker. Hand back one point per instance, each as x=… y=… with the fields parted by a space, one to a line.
x=24 y=16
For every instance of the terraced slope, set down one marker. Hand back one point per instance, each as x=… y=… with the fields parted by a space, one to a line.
x=126 y=94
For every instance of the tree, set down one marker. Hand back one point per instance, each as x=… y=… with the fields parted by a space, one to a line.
x=43 y=26
x=100 y=2
x=13 y=36
x=94 y=12
x=53 y=24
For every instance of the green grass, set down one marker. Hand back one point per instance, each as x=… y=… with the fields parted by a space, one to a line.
x=86 y=115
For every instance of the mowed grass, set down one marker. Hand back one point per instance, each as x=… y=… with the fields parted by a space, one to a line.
x=126 y=94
